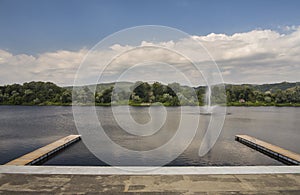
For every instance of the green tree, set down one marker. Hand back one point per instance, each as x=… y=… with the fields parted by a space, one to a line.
x=143 y=90
x=66 y=97
x=105 y=96
x=158 y=90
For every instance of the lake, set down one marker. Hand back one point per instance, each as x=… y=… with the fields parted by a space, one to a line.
x=26 y=128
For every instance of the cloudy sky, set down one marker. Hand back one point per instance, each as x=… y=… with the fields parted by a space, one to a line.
x=251 y=41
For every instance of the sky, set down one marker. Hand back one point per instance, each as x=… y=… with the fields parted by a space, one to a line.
x=251 y=41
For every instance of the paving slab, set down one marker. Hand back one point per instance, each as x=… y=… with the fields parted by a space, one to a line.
x=150 y=184
x=167 y=180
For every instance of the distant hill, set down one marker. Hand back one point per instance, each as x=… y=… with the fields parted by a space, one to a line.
x=259 y=87
x=276 y=86
x=102 y=86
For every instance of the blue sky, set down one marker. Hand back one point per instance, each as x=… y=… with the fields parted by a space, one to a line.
x=255 y=41
x=37 y=26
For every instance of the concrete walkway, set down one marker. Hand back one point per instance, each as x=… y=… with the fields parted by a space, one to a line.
x=71 y=183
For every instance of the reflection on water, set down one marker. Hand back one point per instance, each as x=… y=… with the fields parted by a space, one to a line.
x=23 y=129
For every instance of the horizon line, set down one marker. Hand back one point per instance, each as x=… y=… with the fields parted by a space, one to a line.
x=106 y=83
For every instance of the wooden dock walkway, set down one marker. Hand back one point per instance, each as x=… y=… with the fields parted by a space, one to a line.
x=44 y=152
x=271 y=150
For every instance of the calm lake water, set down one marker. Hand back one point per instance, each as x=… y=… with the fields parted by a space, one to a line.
x=26 y=128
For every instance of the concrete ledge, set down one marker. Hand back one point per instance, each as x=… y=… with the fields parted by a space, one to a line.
x=88 y=170
x=137 y=180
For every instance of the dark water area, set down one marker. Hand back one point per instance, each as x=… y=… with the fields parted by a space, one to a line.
x=26 y=128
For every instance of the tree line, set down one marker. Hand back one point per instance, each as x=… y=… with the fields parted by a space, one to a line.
x=143 y=93
x=34 y=93
x=253 y=95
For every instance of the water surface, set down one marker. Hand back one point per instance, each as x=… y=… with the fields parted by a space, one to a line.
x=26 y=128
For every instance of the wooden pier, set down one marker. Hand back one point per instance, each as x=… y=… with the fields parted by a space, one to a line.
x=44 y=152
x=271 y=150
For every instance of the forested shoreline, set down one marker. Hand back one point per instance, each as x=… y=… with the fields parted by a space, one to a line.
x=145 y=94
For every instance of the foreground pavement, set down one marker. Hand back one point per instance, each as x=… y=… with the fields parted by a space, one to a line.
x=78 y=180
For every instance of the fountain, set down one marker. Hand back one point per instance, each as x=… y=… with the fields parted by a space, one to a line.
x=208 y=110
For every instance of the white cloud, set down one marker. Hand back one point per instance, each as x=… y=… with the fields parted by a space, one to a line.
x=58 y=67
x=258 y=56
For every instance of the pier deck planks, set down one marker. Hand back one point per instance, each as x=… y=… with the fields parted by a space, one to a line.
x=262 y=145
x=43 y=152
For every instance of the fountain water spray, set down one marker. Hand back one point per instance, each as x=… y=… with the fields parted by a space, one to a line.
x=208 y=109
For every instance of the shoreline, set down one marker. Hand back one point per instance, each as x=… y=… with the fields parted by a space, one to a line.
x=148 y=105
